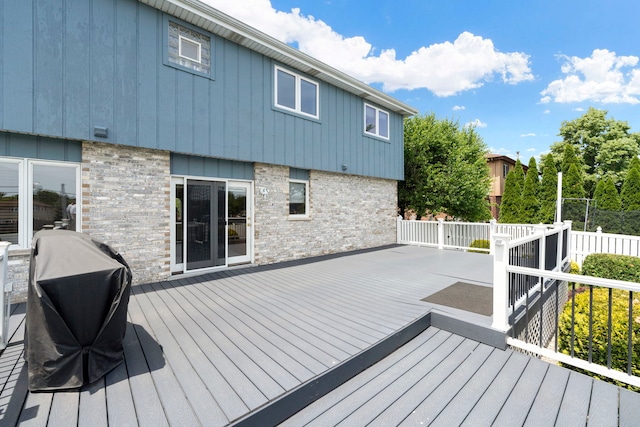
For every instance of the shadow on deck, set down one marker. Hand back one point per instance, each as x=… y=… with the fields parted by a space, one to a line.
x=316 y=340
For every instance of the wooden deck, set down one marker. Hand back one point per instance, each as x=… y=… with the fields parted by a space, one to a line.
x=247 y=346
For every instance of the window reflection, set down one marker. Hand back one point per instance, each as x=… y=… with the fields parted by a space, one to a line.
x=54 y=198
x=9 y=201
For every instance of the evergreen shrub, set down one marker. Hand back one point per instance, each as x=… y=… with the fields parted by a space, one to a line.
x=480 y=243
x=608 y=266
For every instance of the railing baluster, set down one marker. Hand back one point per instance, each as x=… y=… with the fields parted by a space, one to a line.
x=630 y=334
x=573 y=320
x=609 y=328
x=590 y=324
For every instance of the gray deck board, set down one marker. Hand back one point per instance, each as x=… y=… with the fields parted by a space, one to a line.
x=603 y=411
x=629 y=407
x=545 y=408
x=208 y=350
x=64 y=409
x=575 y=402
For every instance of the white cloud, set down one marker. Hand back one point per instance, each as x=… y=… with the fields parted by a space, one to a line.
x=578 y=109
x=459 y=107
x=476 y=124
x=546 y=112
x=603 y=77
x=527 y=135
x=444 y=68
x=531 y=150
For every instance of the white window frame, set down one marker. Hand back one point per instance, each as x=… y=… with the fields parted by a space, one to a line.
x=298 y=92
x=305 y=215
x=180 y=39
x=25 y=196
x=376 y=131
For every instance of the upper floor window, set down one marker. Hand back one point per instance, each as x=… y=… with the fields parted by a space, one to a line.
x=505 y=170
x=296 y=93
x=376 y=121
x=189 y=49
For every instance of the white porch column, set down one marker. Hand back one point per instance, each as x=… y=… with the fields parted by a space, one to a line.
x=500 y=243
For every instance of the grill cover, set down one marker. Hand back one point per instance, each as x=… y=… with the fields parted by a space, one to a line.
x=76 y=310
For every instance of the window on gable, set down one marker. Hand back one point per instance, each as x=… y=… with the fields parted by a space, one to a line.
x=189 y=49
x=505 y=170
x=376 y=121
x=296 y=93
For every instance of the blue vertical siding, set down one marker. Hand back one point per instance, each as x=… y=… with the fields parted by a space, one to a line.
x=37 y=147
x=67 y=66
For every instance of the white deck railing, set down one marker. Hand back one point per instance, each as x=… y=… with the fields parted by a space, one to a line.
x=5 y=289
x=513 y=302
x=585 y=243
x=455 y=235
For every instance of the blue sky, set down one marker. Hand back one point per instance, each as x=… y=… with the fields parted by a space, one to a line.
x=514 y=69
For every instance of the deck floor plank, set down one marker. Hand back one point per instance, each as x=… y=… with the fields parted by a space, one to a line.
x=603 y=410
x=64 y=409
x=353 y=400
x=93 y=405
x=414 y=386
x=170 y=332
x=381 y=368
x=629 y=407
x=120 y=407
x=36 y=410
x=547 y=403
x=430 y=405
x=464 y=401
x=515 y=410
x=174 y=401
x=148 y=407
x=212 y=362
x=232 y=325
x=575 y=402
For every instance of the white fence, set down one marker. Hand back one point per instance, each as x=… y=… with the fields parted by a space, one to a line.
x=455 y=235
x=585 y=243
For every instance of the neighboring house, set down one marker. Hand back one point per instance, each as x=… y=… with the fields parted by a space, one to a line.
x=499 y=167
x=188 y=140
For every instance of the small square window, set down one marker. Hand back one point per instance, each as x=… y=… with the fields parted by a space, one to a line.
x=376 y=121
x=298 y=198
x=189 y=49
x=296 y=93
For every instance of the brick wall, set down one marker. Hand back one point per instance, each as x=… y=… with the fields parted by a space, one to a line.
x=125 y=204
x=347 y=212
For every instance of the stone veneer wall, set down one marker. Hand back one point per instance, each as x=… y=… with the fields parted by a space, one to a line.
x=347 y=212
x=125 y=204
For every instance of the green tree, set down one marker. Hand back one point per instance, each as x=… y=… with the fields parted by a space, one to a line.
x=530 y=195
x=510 y=207
x=548 y=191
x=573 y=189
x=445 y=169
x=630 y=193
x=604 y=146
x=630 y=197
x=608 y=207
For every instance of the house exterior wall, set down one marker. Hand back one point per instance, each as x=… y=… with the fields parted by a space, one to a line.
x=69 y=66
x=347 y=212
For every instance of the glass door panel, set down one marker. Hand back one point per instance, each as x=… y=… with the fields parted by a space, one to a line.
x=205 y=224
x=239 y=222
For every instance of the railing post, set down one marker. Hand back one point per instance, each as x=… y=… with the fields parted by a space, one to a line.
x=399 y=229
x=569 y=242
x=492 y=230
x=599 y=240
x=440 y=233
x=4 y=288
x=500 y=243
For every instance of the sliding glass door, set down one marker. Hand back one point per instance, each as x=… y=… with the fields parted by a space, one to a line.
x=211 y=223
